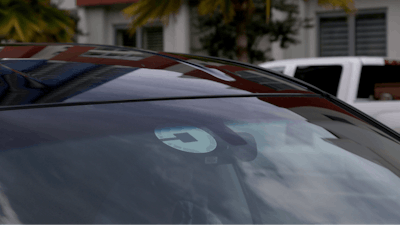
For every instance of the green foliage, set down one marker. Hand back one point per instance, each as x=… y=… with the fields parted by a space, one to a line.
x=225 y=7
x=35 y=21
x=148 y=11
x=227 y=25
x=346 y=5
x=219 y=38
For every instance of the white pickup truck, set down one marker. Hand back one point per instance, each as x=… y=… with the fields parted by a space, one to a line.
x=371 y=84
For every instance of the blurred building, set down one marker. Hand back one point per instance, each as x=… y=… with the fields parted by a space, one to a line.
x=103 y=23
x=373 y=31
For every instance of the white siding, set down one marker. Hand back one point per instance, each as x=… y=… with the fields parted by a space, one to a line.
x=96 y=19
x=83 y=26
x=99 y=23
x=177 y=32
x=65 y=4
x=309 y=38
x=114 y=17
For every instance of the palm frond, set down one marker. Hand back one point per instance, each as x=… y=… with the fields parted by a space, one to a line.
x=31 y=21
x=347 y=5
x=148 y=11
x=209 y=7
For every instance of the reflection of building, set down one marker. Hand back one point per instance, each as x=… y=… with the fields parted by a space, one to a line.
x=68 y=70
x=62 y=80
x=104 y=23
x=372 y=31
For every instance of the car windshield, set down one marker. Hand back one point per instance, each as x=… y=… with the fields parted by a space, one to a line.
x=197 y=161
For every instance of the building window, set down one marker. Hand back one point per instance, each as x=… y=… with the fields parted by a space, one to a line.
x=124 y=39
x=150 y=38
x=153 y=38
x=362 y=35
x=334 y=40
x=371 y=34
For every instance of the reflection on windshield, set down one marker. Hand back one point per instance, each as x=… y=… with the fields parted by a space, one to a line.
x=77 y=82
x=204 y=161
x=312 y=179
x=83 y=73
x=8 y=215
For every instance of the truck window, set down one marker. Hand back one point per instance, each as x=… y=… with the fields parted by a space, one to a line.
x=323 y=77
x=379 y=83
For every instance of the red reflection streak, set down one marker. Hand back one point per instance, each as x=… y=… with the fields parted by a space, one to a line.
x=239 y=83
x=74 y=53
x=392 y=62
x=291 y=102
x=20 y=51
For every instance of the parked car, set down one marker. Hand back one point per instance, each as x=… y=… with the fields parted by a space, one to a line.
x=104 y=134
x=370 y=84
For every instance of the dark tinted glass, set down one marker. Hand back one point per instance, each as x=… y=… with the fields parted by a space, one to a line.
x=124 y=39
x=377 y=80
x=109 y=73
x=326 y=78
x=234 y=160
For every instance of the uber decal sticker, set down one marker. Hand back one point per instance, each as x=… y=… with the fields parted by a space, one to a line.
x=187 y=139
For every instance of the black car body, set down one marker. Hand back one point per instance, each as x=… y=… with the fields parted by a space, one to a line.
x=103 y=134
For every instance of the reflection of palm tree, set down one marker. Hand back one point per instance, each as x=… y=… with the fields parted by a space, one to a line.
x=34 y=21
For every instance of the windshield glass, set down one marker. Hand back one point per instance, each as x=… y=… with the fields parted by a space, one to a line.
x=203 y=161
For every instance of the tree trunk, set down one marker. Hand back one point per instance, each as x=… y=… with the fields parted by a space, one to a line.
x=241 y=42
x=243 y=11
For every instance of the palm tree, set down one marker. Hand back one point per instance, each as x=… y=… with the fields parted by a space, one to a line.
x=34 y=21
x=240 y=11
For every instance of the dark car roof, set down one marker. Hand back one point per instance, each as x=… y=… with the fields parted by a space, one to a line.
x=77 y=73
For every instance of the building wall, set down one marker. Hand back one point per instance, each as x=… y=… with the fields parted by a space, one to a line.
x=309 y=39
x=114 y=18
x=99 y=23
x=96 y=29
x=65 y=4
x=303 y=48
x=177 y=32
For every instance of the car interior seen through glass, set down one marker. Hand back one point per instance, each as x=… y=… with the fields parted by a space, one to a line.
x=377 y=81
x=199 y=161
